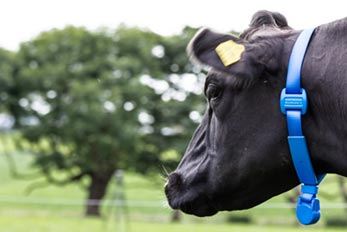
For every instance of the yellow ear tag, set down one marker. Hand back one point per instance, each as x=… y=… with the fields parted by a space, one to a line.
x=229 y=52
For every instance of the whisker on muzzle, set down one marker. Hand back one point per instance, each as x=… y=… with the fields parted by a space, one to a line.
x=165 y=170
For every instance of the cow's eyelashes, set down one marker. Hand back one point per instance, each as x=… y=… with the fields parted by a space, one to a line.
x=213 y=91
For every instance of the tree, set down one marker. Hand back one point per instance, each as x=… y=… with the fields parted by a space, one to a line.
x=6 y=81
x=92 y=102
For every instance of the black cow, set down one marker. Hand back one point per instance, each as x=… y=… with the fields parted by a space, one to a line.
x=239 y=155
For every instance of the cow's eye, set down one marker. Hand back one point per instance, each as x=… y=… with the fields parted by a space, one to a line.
x=213 y=91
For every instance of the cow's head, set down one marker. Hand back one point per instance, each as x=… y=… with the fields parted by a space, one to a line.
x=238 y=156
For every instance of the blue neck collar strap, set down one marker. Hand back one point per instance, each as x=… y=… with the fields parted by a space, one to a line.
x=294 y=104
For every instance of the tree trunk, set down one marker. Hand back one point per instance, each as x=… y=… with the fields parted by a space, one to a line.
x=96 y=192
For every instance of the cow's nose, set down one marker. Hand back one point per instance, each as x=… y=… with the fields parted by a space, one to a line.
x=172 y=188
x=174 y=181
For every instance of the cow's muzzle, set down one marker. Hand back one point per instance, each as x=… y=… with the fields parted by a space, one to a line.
x=187 y=198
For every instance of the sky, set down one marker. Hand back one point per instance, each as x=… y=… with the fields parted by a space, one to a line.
x=21 y=20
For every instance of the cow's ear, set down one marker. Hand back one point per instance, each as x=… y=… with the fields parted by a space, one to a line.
x=203 y=48
x=224 y=53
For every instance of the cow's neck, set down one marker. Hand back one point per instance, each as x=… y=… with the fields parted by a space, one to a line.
x=324 y=76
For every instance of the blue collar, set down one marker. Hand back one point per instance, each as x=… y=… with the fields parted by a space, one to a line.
x=294 y=104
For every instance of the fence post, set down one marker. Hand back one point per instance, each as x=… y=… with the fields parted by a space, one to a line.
x=121 y=211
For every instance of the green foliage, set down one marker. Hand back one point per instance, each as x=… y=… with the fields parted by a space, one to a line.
x=6 y=80
x=69 y=97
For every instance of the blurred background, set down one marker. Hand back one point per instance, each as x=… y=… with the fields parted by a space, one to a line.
x=98 y=102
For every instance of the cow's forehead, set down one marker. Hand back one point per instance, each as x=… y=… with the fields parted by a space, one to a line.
x=269 y=32
x=227 y=80
x=263 y=31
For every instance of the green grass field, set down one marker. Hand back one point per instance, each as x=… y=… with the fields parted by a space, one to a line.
x=61 y=209
x=52 y=224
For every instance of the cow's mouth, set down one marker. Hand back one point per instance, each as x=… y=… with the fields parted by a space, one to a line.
x=190 y=202
x=196 y=208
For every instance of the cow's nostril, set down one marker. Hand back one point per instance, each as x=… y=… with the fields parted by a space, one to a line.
x=175 y=179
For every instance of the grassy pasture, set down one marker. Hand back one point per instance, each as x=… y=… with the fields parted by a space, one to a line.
x=61 y=208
